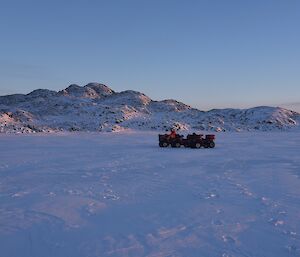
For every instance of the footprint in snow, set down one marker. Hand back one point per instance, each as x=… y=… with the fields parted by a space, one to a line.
x=217 y=222
x=276 y=222
x=283 y=213
x=265 y=201
x=208 y=196
x=108 y=194
x=228 y=239
x=293 y=249
x=244 y=190
x=219 y=211
x=212 y=195
x=20 y=194
x=51 y=194
x=291 y=234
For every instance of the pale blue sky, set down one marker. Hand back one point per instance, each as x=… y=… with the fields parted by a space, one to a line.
x=209 y=54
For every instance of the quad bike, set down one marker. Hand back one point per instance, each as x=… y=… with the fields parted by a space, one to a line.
x=192 y=141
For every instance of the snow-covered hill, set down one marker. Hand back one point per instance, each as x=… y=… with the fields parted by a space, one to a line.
x=96 y=107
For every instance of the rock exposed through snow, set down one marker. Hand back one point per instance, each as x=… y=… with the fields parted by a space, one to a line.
x=96 y=107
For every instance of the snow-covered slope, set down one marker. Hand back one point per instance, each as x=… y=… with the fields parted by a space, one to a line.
x=96 y=107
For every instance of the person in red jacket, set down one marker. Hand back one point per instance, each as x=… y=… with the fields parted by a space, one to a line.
x=173 y=134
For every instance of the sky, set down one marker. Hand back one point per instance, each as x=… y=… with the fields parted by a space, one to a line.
x=205 y=53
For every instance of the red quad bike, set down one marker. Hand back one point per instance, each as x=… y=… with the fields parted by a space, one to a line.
x=192 y=141
x=166 y=141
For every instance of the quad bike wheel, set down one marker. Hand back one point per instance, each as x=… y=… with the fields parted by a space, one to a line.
x=165 y=144
x=198 y=145
x=177 y=145
x=212 y=144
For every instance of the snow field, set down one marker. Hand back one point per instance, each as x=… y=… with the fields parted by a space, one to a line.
x=98 y=194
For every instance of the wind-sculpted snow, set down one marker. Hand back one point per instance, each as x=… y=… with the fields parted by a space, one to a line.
x=104 y=194
x=96 y=107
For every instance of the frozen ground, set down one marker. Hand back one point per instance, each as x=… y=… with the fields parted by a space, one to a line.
x=91 y=195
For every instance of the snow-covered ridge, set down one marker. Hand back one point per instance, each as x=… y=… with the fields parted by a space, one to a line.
x=96 y=107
